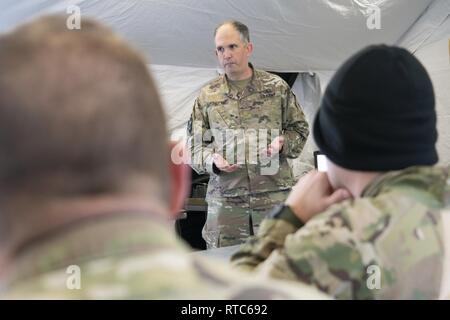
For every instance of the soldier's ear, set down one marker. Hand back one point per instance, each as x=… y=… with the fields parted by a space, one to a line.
x=249 y=49
x=180 y=178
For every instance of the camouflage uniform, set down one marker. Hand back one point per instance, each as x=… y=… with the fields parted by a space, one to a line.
x=225 y=120
x=232 y=220
x=394 y=230
x=130 y=257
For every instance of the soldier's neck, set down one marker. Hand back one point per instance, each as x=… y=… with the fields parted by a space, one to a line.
x=25 y=219
x=360 y=181
x=247 y=74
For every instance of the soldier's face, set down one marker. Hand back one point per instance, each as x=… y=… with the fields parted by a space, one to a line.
x=335 y=174
x=232 y=52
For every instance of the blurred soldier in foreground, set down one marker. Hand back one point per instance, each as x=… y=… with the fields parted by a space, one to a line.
x=86 y=183
x=384 y=235
x=244 y=126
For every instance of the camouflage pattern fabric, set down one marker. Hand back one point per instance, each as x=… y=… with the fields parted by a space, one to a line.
x=445 y=283
x=388 y=244
x=232 y=220
x=239 y=125
x=130 y=257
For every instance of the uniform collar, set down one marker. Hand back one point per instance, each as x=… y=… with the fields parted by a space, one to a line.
x=255 y=85
x=427 y=178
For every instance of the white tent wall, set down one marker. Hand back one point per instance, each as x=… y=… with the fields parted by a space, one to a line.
x=179 y=87
x=289 y=36
x=429 y=40
x=300 y=35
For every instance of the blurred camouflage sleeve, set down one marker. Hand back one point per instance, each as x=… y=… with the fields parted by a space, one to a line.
x=295 y=126
x=199 y=140
x=271 y=236
x=323 y=253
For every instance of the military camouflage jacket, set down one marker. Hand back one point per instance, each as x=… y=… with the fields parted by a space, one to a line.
x=240 y=126
x=130 y=257
x=388 y=244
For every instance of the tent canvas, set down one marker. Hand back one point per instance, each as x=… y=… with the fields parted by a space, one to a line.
x=312 y=37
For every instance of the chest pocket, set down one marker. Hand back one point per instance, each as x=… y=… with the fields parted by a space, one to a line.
x=223 y=115
x=262 y=110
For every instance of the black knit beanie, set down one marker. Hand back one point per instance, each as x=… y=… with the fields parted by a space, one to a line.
x=378 y=112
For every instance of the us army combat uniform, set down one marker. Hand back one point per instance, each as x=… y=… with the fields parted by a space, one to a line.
x=240 y=125
x=129 y=256
x=388 y=244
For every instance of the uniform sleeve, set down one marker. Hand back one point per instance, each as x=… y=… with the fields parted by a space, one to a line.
x=324 y=253
x=295 y=126
x=271 y=236
x=199 y=141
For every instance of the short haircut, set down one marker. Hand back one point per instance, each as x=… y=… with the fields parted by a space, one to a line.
x=239 y=26
x=79 y=112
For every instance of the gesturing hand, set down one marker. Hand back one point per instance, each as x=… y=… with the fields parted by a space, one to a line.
x=275 y=146
x=223 y=164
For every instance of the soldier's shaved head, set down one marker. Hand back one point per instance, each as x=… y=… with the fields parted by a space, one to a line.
x=239 y=26
x=79 y=112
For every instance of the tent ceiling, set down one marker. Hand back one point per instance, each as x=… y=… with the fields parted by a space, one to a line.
x=295 y=35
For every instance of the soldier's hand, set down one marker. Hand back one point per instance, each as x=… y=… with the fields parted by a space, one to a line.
x=275 y=146
x=223 y=164
x=313 y=194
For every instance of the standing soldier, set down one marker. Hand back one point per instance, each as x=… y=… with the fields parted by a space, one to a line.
x=243 y=127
